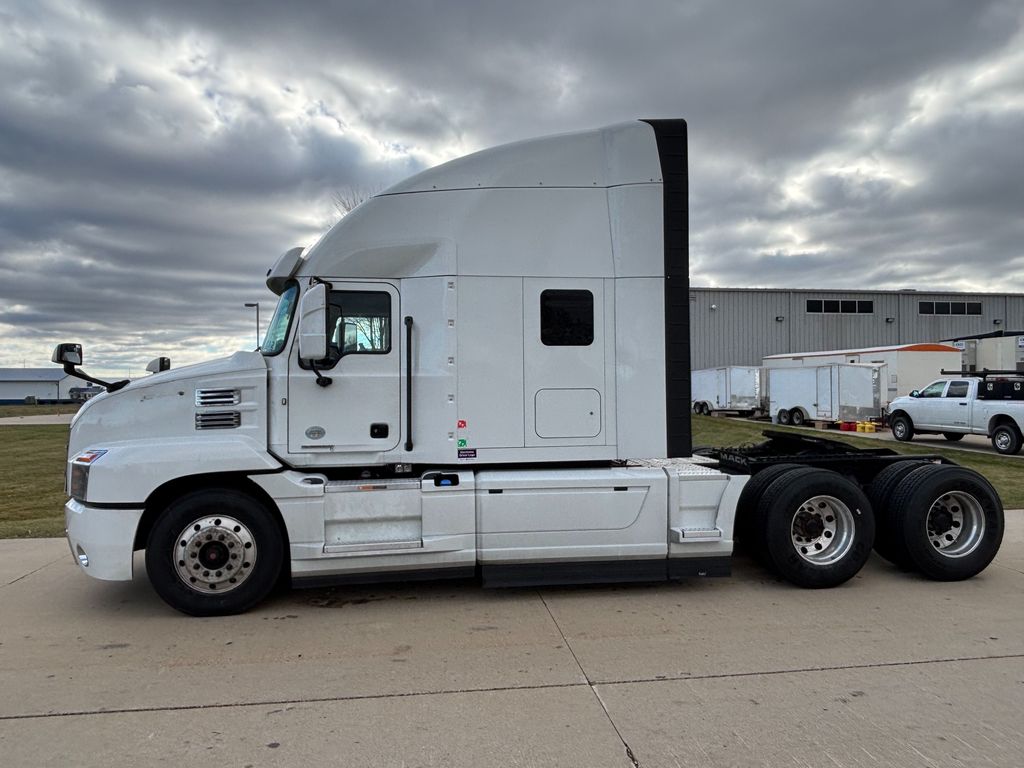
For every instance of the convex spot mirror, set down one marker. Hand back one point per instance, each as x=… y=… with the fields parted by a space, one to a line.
x=67 y=354
x=313 y=323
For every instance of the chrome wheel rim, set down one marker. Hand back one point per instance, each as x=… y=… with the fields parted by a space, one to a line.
x=955 y=524
x=215 y=554
x=900 y=429
x=822 y=530
x=1003 y=440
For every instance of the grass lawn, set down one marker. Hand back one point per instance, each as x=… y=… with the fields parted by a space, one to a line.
x=37 y=410
x=32 y=469
x=1005 y=473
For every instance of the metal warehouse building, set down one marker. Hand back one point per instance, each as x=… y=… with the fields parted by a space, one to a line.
x=739 y=326
x=44 y=384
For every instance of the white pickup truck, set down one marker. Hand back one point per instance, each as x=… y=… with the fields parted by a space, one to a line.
x=970 y=405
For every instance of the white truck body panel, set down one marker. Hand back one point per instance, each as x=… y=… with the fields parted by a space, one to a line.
x=729 y=388
x=908 y=366
x=827 y=392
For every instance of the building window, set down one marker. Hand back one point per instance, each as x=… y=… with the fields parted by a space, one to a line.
x=831 y=306
x=814 y=305
x=949 y=308
x=865 y=307
x=941 y=307
x=973 y=307
x=566 y=318
x=844 y=307
x=926 y=307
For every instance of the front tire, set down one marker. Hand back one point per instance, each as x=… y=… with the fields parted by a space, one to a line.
x=1006 y=439
x=818 y=527
x=950 y=519
x=902 y=428
x=214 y=552
x=783 y=417
x=888 y=540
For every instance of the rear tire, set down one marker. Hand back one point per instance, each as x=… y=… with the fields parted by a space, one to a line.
x=783 y=417
x=818 y=527
x=214 y=552
x=745 y=527
x=950 y=519
x=1006 y=439
x=796 y=417
x=696 y=408
x=889 y=541
x=902 y=428
x=953 y=437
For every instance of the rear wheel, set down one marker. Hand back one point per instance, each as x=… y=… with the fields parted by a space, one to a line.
x=953 y=437
x=783 y=417
x=796 y=417
x=746 y=508
x=1006 y=439
x=818 y=527
x=889 y=541
x=214 y=552
x=902 y=428
x=951 y=521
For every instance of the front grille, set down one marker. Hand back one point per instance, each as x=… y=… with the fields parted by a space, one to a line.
x=218 y=420
x=206 y=397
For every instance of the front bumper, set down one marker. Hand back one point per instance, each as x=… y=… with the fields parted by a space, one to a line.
x=102 y=539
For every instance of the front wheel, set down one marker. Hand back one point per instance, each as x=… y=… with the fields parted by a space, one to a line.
x=902 y=428
x=783 y=417
x=1006 y=439
x=818 y=527
x=214 y=552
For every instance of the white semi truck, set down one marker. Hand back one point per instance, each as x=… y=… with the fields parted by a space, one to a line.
x=483 y=370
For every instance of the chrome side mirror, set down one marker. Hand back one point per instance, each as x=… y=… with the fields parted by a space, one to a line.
x=313 y=324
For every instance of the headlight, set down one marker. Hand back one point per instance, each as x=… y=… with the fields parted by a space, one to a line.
x=79 y=487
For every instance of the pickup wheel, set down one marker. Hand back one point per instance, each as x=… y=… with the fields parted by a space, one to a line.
x=902 y=428
x=783 y=417
x=888 y=541
x=818 y=527
x=950 y=520
x=214 y=552
x=745 y=526
x=953 y=437
x=796 y=417
x=1006 y=439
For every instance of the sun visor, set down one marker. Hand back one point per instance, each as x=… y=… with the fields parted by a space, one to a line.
x=284 y=269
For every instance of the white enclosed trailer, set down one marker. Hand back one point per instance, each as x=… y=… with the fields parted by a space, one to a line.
x=483 y=369
x=825 y=392
x=908 y=366
x=735 y=388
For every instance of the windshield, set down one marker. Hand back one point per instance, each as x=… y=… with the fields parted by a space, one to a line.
x=277 y=331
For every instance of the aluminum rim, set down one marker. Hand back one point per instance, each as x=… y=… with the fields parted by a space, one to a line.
x=213 y=555
x=899 y=429
x=955 y=524
x=1002 y=440
x=822 y=530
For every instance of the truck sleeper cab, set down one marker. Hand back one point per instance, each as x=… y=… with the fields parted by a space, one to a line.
x=482 y=370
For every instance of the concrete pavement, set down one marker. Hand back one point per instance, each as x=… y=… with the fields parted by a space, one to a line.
x=888 y=670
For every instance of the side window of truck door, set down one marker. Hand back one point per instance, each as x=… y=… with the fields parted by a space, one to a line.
x=957 y=389
x=934 y=389
x=360 y=323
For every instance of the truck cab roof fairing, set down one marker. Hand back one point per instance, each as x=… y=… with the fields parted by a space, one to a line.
x=550 y=197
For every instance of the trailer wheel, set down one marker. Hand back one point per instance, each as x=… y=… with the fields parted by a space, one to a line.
x=1006 y=439
x=951 y=521
x=745 y=527
x=796 y=417
x=214 y=552
x=888 y=541
x=697 y=408
x=783 y=416
x=953 y=437
x=818 y=527
x=902 y=428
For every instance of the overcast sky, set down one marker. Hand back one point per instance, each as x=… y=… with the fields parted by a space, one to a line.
x=156 y=157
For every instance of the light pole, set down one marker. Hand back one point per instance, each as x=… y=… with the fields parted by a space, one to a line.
x=257 y=305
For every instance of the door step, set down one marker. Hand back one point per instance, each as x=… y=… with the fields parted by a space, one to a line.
x=684 y=535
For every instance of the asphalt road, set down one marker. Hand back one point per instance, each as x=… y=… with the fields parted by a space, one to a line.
x=888 y=670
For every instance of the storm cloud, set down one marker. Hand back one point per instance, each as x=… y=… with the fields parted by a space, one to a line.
x=156 y=157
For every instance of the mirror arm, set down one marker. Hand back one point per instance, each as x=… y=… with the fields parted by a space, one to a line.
x=323 y=381
x=70 y=369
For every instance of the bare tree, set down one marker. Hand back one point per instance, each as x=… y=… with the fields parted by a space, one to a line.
x=348 y=198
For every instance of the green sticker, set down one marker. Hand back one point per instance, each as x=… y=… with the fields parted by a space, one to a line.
x=462 y=443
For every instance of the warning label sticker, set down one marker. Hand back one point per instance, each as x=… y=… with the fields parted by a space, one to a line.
x=467 y=453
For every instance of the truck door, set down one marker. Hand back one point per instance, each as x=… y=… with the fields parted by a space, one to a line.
x=930 y=409
x=959 y=415
x=360 y=410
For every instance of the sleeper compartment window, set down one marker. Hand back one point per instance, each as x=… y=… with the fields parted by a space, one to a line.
x=566 y=318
